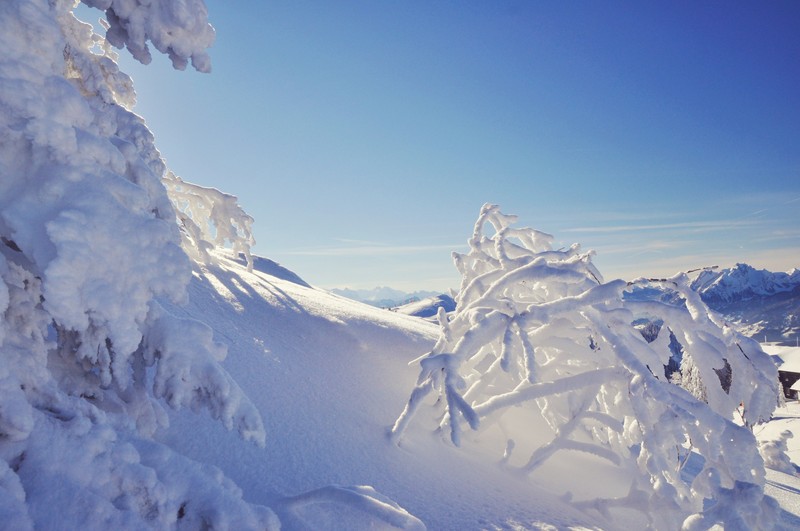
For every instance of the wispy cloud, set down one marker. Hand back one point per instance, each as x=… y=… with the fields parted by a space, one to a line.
x=374 y=250
x=795 y=200
x=695 y=226
x=779 y=259
x=640 y=247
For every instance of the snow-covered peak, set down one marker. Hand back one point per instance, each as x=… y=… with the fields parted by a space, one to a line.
x=743 y=282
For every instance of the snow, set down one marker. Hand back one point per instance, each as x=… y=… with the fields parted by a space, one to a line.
x=428 y=307
x=761 y=304
x=154 y=374
x=783 y=486
x=789 y=357
x=177 y=29
x=316 y=365
x=329 y=375
x=743 y=281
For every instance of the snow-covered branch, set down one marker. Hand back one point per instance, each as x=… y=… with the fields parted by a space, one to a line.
x=179 y=29
x=538 y=333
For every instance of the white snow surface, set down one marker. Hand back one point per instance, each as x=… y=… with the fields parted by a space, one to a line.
x=782 y=485
x=788 y=358
x=329 y=375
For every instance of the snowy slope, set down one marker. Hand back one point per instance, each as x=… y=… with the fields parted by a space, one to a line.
x=428 y=307
x=329 y=376
x=785 y=487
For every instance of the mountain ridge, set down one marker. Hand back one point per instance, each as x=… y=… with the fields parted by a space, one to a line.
x=743 y=282
x=762 y=304
x=383 y=296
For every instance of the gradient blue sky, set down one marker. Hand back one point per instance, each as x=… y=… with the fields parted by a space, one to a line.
x=364 y=137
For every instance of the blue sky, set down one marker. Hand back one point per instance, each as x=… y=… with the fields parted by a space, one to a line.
x=364 y=137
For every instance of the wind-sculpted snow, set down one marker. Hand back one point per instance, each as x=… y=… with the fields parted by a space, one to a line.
x=303 y=511
x=538 y=334
x=90 y=251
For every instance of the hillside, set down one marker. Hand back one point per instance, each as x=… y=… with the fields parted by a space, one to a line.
x=428 y=307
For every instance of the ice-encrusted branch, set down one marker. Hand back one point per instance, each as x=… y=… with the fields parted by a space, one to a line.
x=210 y=219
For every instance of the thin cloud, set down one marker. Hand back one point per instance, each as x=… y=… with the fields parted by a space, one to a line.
x=780 y=259
x=696 y=226
x=374 y=250
x=350 y=241
x=633 y=248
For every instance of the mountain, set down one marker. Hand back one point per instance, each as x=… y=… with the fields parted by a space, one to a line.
x=744 y=283
x=383 y=297
x=762 y=304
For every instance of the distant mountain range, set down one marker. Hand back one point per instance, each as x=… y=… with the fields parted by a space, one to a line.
x=762 y=304
x=383 y=297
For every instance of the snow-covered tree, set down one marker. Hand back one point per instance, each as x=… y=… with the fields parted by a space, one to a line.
x=90 y=249
x=689 y=378
x=538 y=338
